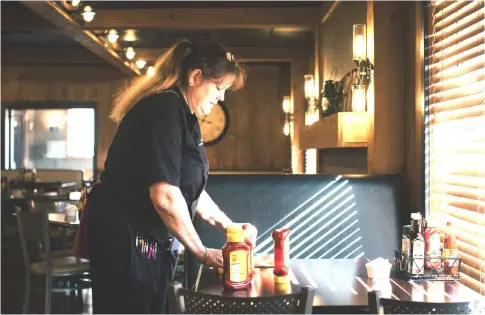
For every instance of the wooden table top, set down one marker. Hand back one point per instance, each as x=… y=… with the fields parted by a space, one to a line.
x=341 y=282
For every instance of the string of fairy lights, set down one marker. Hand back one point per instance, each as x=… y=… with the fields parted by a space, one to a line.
x=119 y=41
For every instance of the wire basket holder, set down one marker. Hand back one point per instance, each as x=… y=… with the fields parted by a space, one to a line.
x=435 y=267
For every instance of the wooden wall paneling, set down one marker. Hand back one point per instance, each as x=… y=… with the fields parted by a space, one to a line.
x=389 y=86
x=282 y=157
x=299 y=67
x=371 y=88
x=343 y=161
x=414 y=166
x=207 y=18
x=50 y=73
x=337 y=44
x=254 y=140
x=16 y=89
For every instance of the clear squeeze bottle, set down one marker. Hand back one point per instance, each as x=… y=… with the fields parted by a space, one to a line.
x=236 y=258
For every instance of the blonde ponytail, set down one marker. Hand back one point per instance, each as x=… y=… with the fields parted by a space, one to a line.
x=167 y=74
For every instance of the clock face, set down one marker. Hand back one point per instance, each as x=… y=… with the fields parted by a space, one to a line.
x=214 y=126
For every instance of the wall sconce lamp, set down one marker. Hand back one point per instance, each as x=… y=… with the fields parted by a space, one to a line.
x=288 y=110
x=363 y=68
x=311 y=94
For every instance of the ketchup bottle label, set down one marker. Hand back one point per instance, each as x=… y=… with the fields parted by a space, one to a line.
x=238 y=266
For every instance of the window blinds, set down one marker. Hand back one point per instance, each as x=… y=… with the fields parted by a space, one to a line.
x=455 y=129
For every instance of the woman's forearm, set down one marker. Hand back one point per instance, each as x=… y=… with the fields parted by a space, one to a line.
x=170 y=205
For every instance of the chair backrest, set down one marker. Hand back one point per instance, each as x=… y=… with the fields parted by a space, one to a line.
x=391 y=306
x=183 y=301
x=34 y=235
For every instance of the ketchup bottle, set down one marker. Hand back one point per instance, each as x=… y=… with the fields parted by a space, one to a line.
x=236 y=256
x=281 y=255
x=249 y=239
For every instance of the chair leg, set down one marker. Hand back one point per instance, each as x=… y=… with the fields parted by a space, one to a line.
x=48 y=295
x=26 y=302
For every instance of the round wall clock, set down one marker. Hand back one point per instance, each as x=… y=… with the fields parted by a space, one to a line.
x=214 y=126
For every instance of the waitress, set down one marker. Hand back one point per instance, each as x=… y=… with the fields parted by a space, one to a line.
x=154 y=179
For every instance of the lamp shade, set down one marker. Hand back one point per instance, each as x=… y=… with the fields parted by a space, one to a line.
x=360 y=41
x=286 y=105
x=358 y=98
x=309 y=86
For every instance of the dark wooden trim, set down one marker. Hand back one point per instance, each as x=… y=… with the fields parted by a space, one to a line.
x=326 y=13
x=246 y=54
x=207 y=18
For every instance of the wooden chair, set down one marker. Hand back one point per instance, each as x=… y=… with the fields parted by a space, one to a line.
x=184 y=301
x=60 y=273
x=391 y=306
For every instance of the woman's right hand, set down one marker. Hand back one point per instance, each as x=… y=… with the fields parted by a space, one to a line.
x=214 y=258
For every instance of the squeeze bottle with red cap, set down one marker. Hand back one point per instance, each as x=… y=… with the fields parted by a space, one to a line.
x=281 y=255
x=236 y=257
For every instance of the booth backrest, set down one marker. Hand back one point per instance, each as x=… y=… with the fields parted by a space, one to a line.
x=329 y=216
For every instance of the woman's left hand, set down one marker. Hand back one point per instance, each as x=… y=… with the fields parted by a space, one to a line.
x=220 y=221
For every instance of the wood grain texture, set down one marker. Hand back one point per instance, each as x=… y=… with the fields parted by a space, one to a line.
x=344 y=129
x=15 y=88
x=390 y=87
x=414 y=164
x=207 y=18
x=255 y=139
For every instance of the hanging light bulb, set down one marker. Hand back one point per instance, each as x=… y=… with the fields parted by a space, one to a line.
x=71 y=5
x=151 y=71
x=140 y=63
x=88 y=13
x=113 y=36
x=130 y=53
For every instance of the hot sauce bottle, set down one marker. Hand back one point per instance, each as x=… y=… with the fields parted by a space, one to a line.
x=450 y=252
x=281 y=255
x=236 y=256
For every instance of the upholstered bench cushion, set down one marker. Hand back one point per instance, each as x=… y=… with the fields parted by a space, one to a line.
x=62 y=266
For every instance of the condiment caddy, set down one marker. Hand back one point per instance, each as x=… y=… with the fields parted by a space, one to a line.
x=422 y=256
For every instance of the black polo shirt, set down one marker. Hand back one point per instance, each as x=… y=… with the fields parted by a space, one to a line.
x=158 y=140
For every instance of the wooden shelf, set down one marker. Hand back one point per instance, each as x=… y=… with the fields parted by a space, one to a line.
x=340 y=130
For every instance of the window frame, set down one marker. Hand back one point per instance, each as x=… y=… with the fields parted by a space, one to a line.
x=7 y=107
